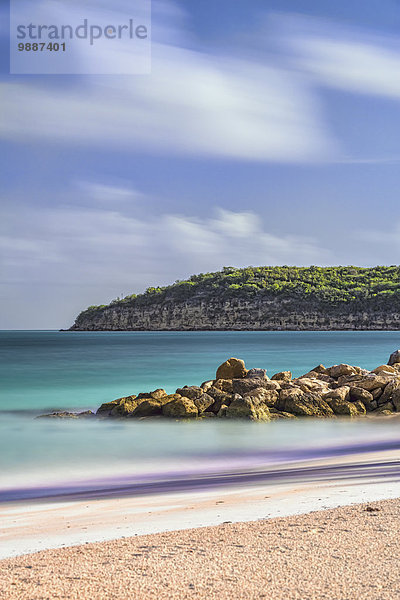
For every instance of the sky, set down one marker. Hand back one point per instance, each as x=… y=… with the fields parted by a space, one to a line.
x=266 y=134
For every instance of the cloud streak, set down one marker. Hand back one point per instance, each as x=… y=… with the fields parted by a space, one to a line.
x=194 y=103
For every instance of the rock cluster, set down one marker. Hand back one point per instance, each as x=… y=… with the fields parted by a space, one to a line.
x=236 y=393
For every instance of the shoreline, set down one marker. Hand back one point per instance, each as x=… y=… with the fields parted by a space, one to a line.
x=32 y=526
x=347 y=552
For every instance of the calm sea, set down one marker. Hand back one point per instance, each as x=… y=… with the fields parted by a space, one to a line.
x=48 y=370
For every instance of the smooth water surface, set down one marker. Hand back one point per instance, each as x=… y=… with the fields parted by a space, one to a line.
x=66 y=370
x=52 y=370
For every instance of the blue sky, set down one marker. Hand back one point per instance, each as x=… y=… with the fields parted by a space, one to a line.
x=267 y=133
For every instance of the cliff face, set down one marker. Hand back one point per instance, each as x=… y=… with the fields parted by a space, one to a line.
x=236 y=314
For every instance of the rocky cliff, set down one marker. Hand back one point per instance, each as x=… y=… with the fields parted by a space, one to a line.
x=263 y=298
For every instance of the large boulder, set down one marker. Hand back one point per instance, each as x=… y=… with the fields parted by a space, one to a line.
x=371 y=381
x=147 y=408
x=321 y=370
x=219 y=398
x=340 y=393
x=125 y=407
x=262 y=396
x=297 y=402
x=222 y=411
x=231 y=369
x=245 y=408
x=394 y=358
x=318 y=376
x=360 y=406
x=258 y=373
x=389 y=390
x=384 y=369
x=180 y=408
x=311 y=385
x=360 y=395
x=343 y=407
x=206 y=385
x=204 y=403
x=193 y=392
x=155 y=395
x=342 y=369
x=151 y=404
x=395 y=399
x=282 y=376
x=386 y=409
x=106 y=409
x=243 y=386
x=225 y=385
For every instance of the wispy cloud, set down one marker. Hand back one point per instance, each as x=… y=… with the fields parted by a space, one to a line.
x=345 y=57
x=97 y=254
x=193 y=103
x=116 y=248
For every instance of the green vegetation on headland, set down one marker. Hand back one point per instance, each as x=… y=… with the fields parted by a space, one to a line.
x=238 y=393
x=284 y=297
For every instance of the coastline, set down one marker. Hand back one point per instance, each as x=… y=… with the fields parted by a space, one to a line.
x=348 y=552
x=33 y=526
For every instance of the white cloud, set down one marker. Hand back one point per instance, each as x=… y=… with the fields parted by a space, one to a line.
x=92 y=246
x=193 y=103
x=355 y=66
x=104 y=193
x=344 y=57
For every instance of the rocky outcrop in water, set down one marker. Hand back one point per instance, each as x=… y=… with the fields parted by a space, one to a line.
x=237 y=393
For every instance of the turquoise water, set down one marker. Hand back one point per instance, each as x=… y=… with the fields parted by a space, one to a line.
x=51 y=370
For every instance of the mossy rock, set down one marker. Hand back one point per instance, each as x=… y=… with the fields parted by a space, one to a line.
x=303 y=404
x=121 y=407
x=278 y=414
x=193 y=392
x=387 y=408
x=262 y=396
x=245 y=408
x=148 y=408
x=125 y=409
x=204 y=403
x=360 y=406
x=180 y=408
x=343 y=407
x=225 y=385
x=219 y=398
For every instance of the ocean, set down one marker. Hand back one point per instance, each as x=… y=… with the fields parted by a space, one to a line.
x=48 y=370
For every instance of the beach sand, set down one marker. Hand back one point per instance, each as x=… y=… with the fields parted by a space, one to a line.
x=338 y=554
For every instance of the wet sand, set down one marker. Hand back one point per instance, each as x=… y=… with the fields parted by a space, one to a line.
x=338 y=554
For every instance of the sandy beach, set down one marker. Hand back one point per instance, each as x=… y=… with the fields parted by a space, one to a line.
x=343 y=553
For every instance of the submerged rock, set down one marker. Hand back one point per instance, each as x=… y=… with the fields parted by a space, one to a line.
x=88 y=414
